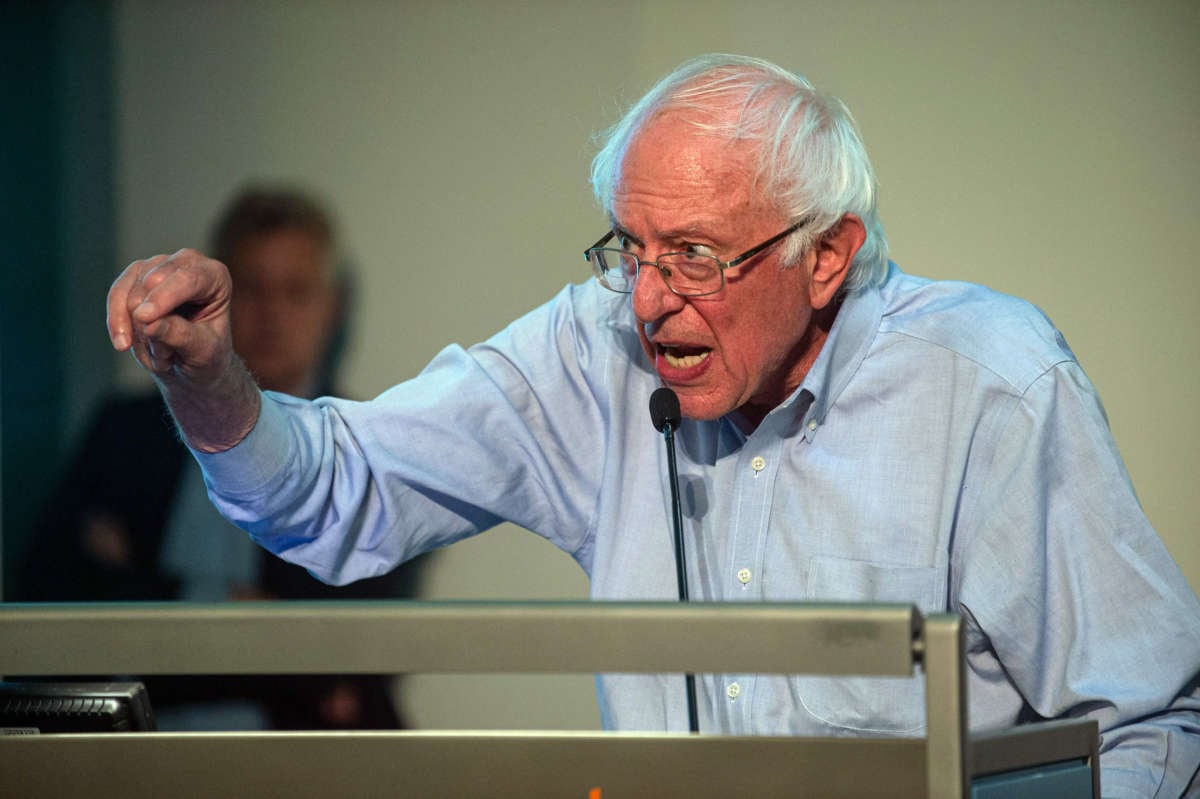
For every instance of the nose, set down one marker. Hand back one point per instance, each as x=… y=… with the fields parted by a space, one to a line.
x=652 y=298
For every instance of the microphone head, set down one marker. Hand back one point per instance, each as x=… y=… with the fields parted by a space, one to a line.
x=664 y=409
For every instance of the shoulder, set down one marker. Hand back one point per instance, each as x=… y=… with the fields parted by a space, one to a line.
x=584 y=323
x=1008 y=336
x=586 y=305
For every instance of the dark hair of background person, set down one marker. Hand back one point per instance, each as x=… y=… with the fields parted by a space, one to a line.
x=261 y=209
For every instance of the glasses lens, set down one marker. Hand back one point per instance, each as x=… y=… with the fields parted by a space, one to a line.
x=692 y=274
x=615 y=269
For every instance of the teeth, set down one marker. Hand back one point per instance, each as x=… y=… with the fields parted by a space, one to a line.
x=683 y=361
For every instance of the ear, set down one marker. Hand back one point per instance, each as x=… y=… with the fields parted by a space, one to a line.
x=834 y=251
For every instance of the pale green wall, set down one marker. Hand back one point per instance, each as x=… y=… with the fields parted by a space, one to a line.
x=1048 y=150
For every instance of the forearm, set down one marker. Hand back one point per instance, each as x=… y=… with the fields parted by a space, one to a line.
x=302 y=487
x=1089 y=612
x=216 y=416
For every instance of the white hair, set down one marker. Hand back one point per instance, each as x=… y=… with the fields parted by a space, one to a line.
x=811 y=158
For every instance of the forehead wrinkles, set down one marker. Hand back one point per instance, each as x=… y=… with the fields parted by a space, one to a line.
x=686 y=179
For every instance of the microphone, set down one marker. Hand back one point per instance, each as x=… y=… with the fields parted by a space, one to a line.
x=664 y=409
x=665 y=414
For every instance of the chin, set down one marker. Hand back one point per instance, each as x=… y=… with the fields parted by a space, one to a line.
x=702 y=408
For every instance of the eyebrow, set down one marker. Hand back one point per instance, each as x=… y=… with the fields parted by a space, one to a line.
x=623 y=233
x=681 y=233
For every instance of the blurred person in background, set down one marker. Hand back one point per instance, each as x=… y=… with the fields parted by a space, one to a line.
x=105 y=537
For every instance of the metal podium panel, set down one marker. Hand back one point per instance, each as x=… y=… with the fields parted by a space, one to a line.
x=529 y=765
x=447 y=765
x=429 y=637
x=398 y=637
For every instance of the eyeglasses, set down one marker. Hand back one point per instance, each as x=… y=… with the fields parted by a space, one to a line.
x=688 y=274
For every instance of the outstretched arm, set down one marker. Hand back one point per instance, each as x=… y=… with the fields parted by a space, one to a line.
x=172 y=313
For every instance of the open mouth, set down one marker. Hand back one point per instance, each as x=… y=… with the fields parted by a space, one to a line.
x=684 y=357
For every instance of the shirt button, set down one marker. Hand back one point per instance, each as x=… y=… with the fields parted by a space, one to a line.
x=744 y=576
x=812 y=424
x=733 y=690
x=758 y=464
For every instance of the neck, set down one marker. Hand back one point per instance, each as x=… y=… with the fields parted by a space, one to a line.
x=749 y=416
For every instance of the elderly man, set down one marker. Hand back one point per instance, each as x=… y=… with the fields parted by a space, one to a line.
x=851 y=433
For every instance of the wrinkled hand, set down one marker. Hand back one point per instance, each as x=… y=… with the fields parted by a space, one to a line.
x=172 y=313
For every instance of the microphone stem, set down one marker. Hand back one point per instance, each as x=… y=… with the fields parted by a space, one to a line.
x=677 y=514
x=680 y=563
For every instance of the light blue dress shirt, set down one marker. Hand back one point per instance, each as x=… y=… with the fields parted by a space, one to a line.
x=946 y=449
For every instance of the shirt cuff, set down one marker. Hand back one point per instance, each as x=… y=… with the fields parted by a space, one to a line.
x=254 y=462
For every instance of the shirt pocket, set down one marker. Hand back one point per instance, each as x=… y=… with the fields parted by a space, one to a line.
x=868 y=705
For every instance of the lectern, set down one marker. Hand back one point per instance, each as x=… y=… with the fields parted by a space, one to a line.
x=1057 y=759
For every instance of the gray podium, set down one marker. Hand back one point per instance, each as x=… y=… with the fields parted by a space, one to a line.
x=1056 y=759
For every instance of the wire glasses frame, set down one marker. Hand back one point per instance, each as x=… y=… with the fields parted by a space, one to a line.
x=686 y=274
